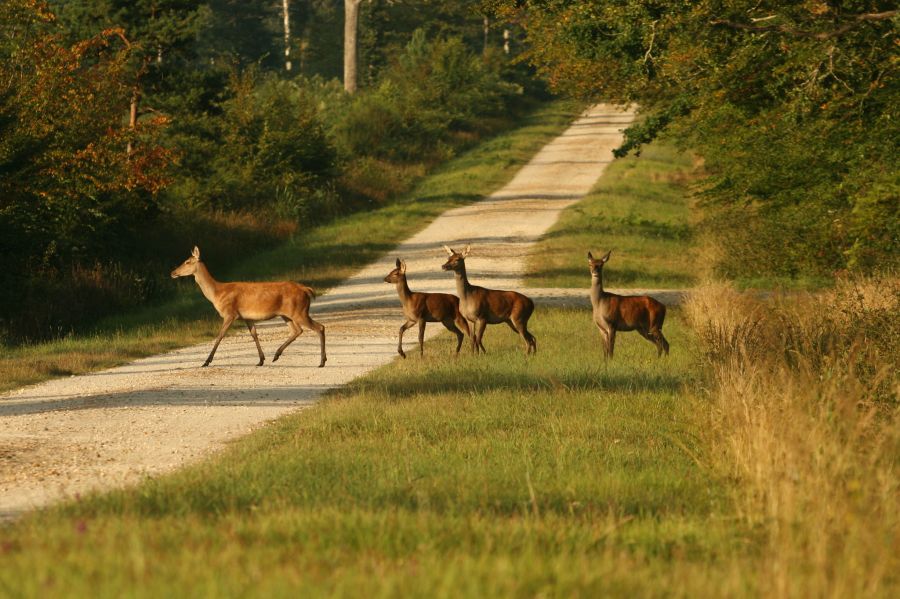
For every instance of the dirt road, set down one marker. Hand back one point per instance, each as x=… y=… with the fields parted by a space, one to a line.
x=67 y=436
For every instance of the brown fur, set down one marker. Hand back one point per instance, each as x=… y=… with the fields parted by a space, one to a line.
x=252 y=302
x=420 y=308
x=613 y=313
x=484 y=306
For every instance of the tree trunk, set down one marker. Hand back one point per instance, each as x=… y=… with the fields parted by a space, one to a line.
x=351 y=23
x=286 y=8
x=133 y=115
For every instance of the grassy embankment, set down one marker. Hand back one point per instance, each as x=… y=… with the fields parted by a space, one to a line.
x=321 y=257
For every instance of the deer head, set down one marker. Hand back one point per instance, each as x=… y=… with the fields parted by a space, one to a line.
x=189 y=266
x=456 y=261
x=596 y=266
x=398 y=272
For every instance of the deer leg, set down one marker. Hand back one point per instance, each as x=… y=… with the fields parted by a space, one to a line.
x=520 y=329
x=480 y=325
x=252 y=328
x=461 y=327
x=604 y=336
x=226 y=324
x=661 y=343
x=296 y=330
x=422 y=337
x=611 y=335
x=451 y=326
x=403 y=328
x=311 y=324
x=653 y=337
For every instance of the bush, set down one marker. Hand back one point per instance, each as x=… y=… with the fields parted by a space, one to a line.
x=431 y=90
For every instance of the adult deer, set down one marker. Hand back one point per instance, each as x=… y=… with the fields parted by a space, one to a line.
x=614 y=313
x=252 y=302
x=420 y=308
x=489 y=306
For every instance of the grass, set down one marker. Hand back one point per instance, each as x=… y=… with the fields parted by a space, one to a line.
x=466 y=477
x=320 y=256
x=640 y=209
x=800 y=410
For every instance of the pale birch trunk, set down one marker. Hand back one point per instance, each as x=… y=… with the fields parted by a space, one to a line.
x=351 y=23
x=286 y=9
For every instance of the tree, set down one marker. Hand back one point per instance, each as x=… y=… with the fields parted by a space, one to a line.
x=68 y=188
x=351 y=54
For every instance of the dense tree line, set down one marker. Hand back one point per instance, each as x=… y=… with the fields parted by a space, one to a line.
x=792 y=105
x=131 y=129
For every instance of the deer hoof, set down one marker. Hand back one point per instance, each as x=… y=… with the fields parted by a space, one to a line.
x=261 y=363
x=275 y=358
x=205 y=364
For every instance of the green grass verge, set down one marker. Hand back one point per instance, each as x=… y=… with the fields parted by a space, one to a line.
x=640 y=209
x=321 y=256
x=438 y=477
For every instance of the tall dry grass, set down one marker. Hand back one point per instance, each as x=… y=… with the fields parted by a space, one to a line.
x=803 y=414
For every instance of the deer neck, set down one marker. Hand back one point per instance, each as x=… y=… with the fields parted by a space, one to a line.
x=403 y=290
x=206 y=282
x=597 y=292
x=462 y=282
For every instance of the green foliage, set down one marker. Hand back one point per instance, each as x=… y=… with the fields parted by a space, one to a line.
x=272 y=145
x=794 y=107
x=429 y=92
x=70 y=189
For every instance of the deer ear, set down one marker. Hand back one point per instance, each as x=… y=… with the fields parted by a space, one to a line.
x=590 y=256
x=449 y=251
x=606 y=257
x=465 y=251
x=196 y=252
x=397 y=263
x=402 y=266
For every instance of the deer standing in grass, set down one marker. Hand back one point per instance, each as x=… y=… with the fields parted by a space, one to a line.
x=614 y=313
x=420 y=308
x=489 y=306
x=252 y=302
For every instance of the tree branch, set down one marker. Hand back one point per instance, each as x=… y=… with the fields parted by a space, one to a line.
x=819 y=35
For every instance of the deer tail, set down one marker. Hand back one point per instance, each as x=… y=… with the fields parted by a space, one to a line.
x=308 y=290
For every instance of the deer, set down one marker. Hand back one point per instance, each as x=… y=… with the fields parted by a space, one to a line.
x=421 y=308
x=613 y=313
x=489 y=306
x=252 y=302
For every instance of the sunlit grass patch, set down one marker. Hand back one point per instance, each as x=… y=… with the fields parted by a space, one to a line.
x=640 y=209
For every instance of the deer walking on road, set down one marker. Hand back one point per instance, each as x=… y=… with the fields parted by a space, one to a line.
x=489 y=306
x=421 y=308
x=252 y=302
x=614 y=313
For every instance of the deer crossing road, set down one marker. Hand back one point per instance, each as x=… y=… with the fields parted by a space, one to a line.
x=113 y=427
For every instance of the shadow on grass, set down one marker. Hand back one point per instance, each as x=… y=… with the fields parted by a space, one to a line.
x=526 y=382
